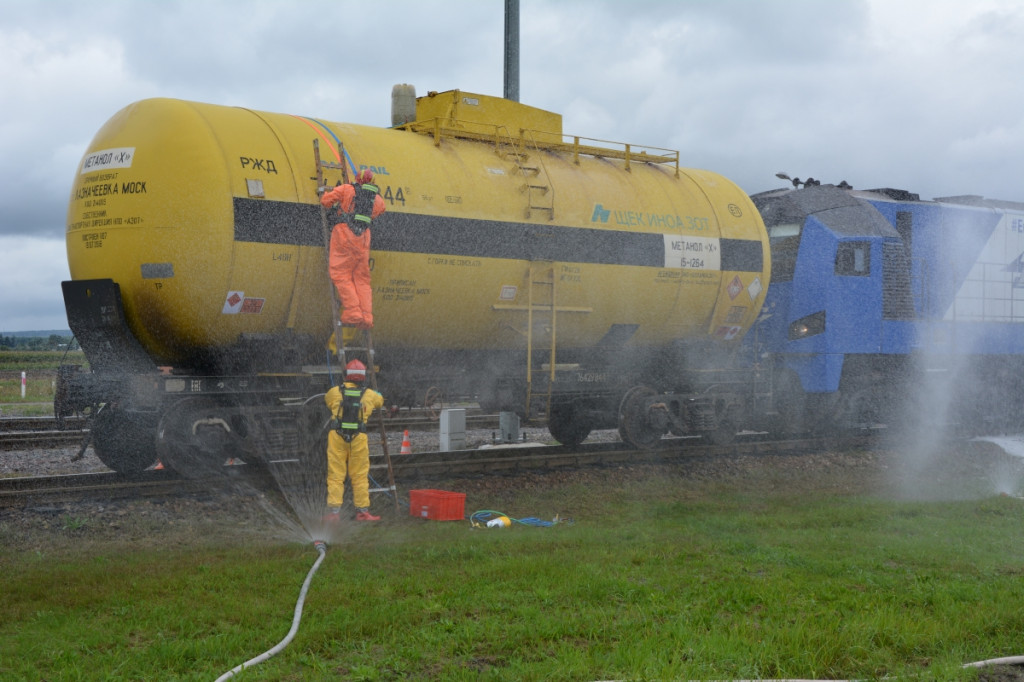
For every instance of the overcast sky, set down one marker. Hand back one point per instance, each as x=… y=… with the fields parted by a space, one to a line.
x=924 y=95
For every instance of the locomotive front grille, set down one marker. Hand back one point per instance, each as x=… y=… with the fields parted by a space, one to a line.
x=897 y=298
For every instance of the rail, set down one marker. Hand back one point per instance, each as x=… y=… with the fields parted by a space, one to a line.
x=497 y=460
x=29 y=433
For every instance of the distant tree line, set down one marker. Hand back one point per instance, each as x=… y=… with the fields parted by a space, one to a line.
x=51 y=342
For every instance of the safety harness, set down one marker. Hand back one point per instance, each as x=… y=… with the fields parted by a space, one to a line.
x=358 y=220
x=362 y=207
x=349 y=423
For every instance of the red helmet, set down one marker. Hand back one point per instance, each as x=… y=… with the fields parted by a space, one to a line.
x=355 y=371
x=364 y=177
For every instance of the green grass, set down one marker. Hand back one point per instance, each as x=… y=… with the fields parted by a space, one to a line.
x=660 y=578
x=24 y=360
x=40 y=369
x=37 y=388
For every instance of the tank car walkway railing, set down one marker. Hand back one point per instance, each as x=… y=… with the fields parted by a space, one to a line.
x=547 y=141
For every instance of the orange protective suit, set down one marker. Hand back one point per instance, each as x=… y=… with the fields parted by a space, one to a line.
x=349 y=262
x=351 y=458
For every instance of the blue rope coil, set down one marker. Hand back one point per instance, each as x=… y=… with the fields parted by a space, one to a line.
x=480 y=519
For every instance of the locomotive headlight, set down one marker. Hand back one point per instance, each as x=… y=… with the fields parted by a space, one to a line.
x=808 y=326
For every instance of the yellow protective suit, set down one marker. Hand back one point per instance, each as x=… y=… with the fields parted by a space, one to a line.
x=352 y=458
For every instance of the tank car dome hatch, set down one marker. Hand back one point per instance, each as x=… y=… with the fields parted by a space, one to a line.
x=456 y=105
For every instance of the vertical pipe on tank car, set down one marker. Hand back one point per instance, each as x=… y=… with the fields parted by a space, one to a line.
x=512 y=50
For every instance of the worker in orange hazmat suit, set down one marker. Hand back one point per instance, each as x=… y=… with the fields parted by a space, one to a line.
x=348 y=451
x=349 y=265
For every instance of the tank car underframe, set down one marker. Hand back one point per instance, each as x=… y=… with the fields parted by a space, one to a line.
x=192 y=424
x=197 y=434
x=644 y=409
x=921 y=393
x=915 y=394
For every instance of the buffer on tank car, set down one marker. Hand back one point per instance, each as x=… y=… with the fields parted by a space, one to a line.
x=587 y=283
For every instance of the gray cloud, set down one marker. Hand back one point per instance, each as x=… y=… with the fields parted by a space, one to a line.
x=32 y=268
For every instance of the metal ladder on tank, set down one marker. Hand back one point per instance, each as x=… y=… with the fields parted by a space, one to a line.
x=362 y=342
x=345 y=336
x=540 y=195
x=542 y=298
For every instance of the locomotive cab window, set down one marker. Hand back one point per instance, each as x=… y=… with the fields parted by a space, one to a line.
x=853 y=259
x=785 y=244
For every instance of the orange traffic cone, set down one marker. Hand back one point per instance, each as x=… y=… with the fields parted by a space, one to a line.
x=406 y=445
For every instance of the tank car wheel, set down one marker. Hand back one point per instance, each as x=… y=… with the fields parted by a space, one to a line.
x=433 y=400
x=183 y=429
x=857 y=408
x=566 y=426
x=724 y=433
x=790 y=403
x=641 y=422
x=121 y=441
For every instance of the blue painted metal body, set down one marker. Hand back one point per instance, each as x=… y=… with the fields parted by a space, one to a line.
x=876 y=277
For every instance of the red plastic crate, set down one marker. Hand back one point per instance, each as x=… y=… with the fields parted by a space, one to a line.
x=439 y=505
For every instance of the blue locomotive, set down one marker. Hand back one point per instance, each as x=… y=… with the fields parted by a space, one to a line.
x=886 y=309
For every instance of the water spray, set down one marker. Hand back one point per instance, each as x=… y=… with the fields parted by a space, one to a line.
x=321 y=548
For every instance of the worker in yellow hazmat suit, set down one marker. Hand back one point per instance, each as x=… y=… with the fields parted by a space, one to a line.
x=348 y=452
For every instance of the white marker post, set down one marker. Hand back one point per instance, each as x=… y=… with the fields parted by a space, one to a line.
x=22 y=385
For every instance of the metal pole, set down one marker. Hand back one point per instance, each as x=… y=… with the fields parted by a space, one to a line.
x=512 y=50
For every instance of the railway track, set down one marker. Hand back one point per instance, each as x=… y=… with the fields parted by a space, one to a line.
x=27 y=490
x=13 y=424
x=35 y=440
x=28 y=433
x=498 y=460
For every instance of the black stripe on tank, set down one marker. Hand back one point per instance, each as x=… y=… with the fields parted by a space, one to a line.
x=275 y=222
x=742 y=255
x=409 y=233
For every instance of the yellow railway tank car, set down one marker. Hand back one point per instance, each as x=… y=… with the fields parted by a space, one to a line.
x=584 y=281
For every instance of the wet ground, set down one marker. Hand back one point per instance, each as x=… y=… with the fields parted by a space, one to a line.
x=954 y=471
